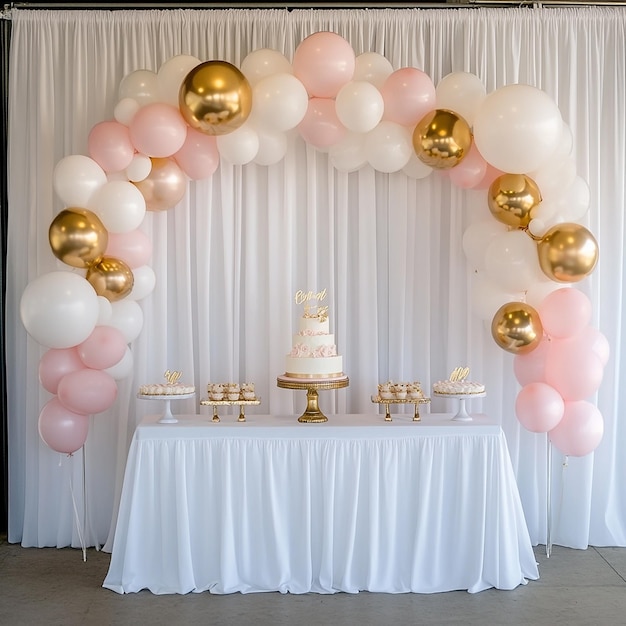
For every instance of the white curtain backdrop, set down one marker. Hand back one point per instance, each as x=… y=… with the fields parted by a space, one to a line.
x=388 y=248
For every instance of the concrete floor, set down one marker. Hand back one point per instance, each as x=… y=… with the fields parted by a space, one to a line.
x=57 y=587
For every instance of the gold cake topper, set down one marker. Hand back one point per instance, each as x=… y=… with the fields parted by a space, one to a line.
x=305 y=297
x=459 y=374
x=172 y=377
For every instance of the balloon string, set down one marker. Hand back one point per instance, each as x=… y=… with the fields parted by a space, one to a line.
x=77 y=518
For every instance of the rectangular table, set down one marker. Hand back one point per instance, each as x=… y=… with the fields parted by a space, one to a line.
x=352 y=504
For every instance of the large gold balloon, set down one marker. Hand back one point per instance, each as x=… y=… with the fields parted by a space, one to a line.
x=441 y=139
x=78 y=237
x=513 y=199
x=165 y=186
x=516 y=327
x=111 y=278
x=567 y=253
x=215 y=98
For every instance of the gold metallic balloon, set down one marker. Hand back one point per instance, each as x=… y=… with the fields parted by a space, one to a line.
x=513 y=199
x=165 y=186
x=567 y=252
x=441 y=139
x=516 y=327
x=215 y=98
x=111 y=278
x=78 y=237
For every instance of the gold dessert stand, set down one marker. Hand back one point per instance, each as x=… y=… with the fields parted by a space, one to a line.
x=240 y=403
x=312 y=414
x=388 y=401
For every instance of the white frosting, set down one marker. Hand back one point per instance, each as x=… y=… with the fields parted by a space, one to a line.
x=312 y=367
x=166 y=389
x=458 y=387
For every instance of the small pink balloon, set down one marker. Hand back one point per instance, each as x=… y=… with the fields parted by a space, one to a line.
x=539 y=407
x=62 y=430
x=409 y=94
x=198 y=157
x=110 y=146
x=321 y=126
x=470 y=171
x=324 y=62
x=580 y=431
x=491 y=173
x=133 y=247
x=158 y=130
x=564 y=312
x=103 y=348
x=573 y=369
x=531 y=367
x=596 y=342
x=87 y=391
x=56 y=363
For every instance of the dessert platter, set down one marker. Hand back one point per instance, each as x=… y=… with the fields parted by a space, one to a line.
x=313 y=363
x=458 y=387
x=401 y=393
x=231 y=394
x=166 y=392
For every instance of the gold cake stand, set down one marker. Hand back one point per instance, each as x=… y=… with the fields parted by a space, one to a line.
x=312 y=414
x=240 y=403
x=388 y=401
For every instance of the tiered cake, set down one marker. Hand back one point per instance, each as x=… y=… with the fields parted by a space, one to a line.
x=313 y=352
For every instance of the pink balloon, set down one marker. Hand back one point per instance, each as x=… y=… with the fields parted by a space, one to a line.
x=596 y=342
x=564 y=312
x=110 y=146
x=572 y=369
x=409 y=94
x=133 y=247
x=198 y=157
x=321 y=126
x=103 y=348
x=580 y=431
x=87 y=391
x=491 y=173
x=531 y=367
x=470 y=171
x=539 y=407
x=158 y=130
x=62 y=430
x=56 y=363
x=324 y=62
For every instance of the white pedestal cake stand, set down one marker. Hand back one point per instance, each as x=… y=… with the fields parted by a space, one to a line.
x=167 y=417
x=461 y=415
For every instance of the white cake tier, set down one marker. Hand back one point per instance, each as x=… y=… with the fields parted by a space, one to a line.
x=311 y=367
x=449 y=387
x=313 y=325
x=166 y=389
x=313 y=342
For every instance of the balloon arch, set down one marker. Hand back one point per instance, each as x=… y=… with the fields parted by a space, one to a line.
x=176 y=124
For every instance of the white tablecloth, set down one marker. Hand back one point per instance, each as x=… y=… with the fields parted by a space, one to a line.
x=353 y=504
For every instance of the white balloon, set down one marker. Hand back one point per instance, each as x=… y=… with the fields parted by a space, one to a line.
x=104 y=311
x=462 y=93
x=140 y=85
x=477 y=238
x=348 y=154
x=171 y=75
x=416 y=168
x=511 y=261
x=139 y=168
x=280 y=102
x=554 y=176
x=537 y=227
x=359 y=106
x=388 y=147
x=487 y=297
x=575 y=203
x=144 y=282
x=122 y=369
x=59 y=309
x=240 y=146
x=125 y=110
x=272 y=147
x=120 y=206
x=76 y=178
x=540 y=289
x=517 y=128
x=372 y=67
x=127 y=318
x=264 y=62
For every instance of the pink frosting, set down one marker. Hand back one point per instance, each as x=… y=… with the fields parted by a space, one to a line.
x=301 y=350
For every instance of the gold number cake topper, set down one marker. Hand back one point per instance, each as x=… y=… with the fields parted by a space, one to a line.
x=305 y=297
x=459 y=374
x=172 y=377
